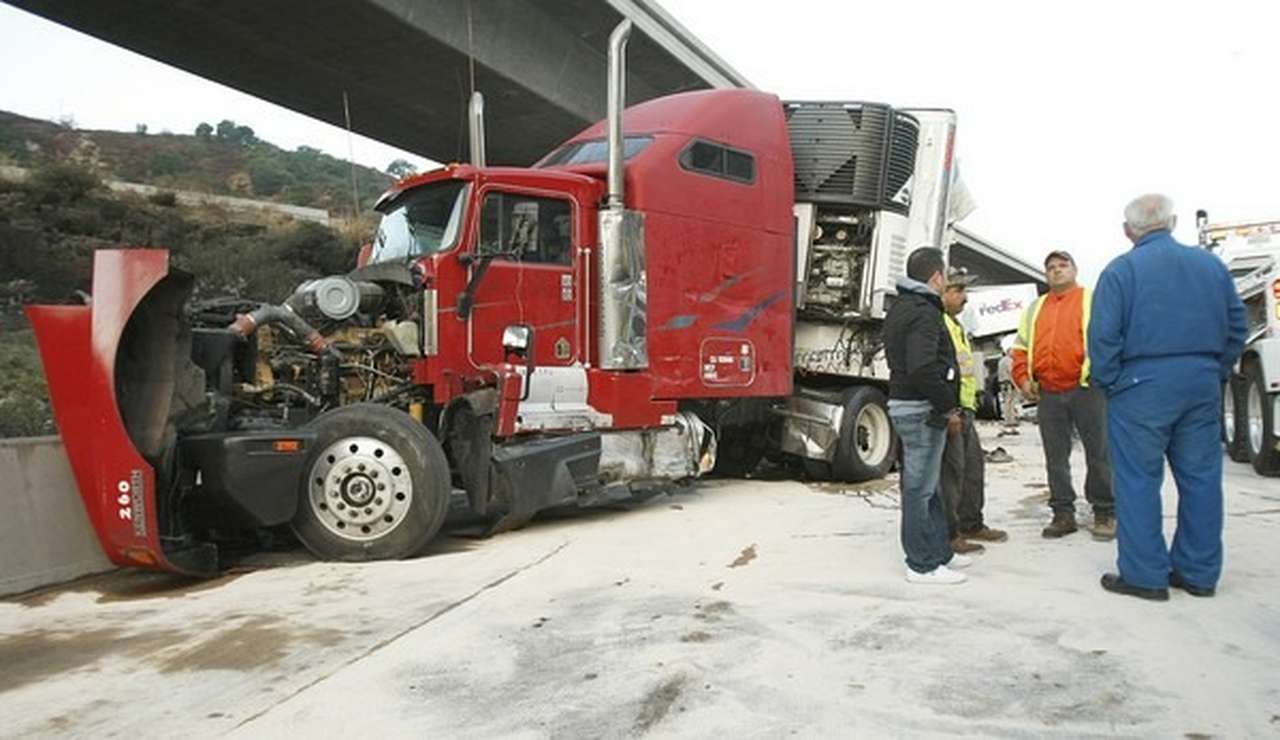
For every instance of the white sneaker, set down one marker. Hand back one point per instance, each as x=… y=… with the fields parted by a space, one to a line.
x=959 y=561
x=940 y=576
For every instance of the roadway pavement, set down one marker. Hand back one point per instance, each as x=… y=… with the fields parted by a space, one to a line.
x=759 y=608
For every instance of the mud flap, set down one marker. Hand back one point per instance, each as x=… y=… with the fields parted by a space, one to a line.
x=531 y=476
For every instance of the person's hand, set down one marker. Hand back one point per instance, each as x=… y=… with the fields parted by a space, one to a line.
x=1030 y=390
x=954 y=424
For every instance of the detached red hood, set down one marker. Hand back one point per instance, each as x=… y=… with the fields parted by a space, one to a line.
x=114 y=428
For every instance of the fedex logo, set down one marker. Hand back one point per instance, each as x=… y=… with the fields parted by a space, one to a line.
x=1002 y=306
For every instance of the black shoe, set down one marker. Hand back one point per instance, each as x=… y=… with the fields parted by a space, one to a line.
x=1116 y=585
x=1175 y=580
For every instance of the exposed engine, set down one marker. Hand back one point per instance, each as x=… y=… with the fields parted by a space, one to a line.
x=840 y=246
x=336 y=341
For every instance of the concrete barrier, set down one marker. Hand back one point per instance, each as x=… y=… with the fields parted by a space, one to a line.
x=45 y=535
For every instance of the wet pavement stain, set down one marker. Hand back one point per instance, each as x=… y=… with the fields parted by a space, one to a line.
x=1035 y=506
x=130 y=585
x=256 y=643
x=746 y=556
x=40 y=654
x=658 y=702
x=714 y=611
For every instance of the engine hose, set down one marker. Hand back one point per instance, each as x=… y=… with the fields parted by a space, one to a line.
x=247 y=323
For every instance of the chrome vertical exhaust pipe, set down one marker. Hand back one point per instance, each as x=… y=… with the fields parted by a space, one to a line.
x=617 y=101
x=476 y=116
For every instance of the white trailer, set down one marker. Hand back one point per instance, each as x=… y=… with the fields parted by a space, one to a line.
x=1251 y=400
x=872 y=184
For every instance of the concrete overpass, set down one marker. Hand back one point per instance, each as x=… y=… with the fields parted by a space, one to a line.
x=407 y=65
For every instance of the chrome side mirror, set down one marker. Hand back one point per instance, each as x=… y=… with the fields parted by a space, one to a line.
x=517 y=339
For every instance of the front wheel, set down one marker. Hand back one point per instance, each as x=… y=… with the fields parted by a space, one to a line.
x=377 y=486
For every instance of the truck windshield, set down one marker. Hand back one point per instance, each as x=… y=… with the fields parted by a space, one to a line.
x=424 y=220
x=592 y=151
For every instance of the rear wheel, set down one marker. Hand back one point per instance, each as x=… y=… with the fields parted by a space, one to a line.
x=1234 y=427
x=377 y=486
x=867 y=445
x=1260 y=423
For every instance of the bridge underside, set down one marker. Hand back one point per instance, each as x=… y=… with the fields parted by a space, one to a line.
x=407 y=65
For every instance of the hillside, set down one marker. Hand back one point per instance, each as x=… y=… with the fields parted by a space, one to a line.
x=223 y=159
x=51 y=224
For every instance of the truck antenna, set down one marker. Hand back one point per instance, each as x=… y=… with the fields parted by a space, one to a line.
x=351 y=159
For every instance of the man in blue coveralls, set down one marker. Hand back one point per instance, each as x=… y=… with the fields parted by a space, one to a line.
x=1167 y=328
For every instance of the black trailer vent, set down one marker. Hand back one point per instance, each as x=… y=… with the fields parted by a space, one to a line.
x=853 y=153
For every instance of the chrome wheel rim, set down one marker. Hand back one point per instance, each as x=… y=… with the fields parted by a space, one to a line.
x=872 y=434
x=1255 y=419
x=360 y=489
x=1228 y=415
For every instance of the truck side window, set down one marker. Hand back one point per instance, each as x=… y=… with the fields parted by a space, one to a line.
x=526 y=228
x=717 y=160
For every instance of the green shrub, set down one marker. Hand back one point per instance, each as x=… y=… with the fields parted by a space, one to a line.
x=62 y=183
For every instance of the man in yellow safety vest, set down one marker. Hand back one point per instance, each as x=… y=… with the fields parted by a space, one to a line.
x=963 y=475
x=1051 y=367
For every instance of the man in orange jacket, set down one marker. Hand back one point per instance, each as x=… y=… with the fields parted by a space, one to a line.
x=1051 y=367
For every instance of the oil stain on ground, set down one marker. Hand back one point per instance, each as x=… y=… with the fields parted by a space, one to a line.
x=255 y=643
x=658 y=702
x=746 y=556
x=130 y=585
x=40 y=654
x=713 y=612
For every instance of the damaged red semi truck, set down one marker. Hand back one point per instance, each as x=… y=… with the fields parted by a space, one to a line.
x=688 y=287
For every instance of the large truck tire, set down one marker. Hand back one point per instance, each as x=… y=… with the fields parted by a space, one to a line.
x=868 y=445
x=1260 y=423
x=377 y=486
x=1234 y=425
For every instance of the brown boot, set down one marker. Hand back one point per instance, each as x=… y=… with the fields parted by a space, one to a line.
x=986 y=534
x=1104 y=528
x=1062 y=525
x=961 y=546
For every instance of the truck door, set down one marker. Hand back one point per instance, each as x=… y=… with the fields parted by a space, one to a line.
x=530 y=281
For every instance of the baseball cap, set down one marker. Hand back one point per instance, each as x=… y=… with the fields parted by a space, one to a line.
x=960 y=277
x=1061 y=254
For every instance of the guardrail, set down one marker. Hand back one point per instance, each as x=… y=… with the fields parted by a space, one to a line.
x=45 y=535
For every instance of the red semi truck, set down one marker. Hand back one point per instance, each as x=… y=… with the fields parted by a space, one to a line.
x=686 y=288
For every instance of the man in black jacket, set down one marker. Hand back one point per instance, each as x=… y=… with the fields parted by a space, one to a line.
x=924 y=389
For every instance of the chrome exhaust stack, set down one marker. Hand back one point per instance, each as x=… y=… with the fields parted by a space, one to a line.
x=617 y=100
x=623 y=321
x=475 y=114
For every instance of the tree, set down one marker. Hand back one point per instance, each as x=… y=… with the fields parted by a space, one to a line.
x=401 y=168
x=204 y=131
x=231 y=133
x=140 y=129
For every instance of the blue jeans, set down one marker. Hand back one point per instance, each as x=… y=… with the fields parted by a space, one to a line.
x=924 y=513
